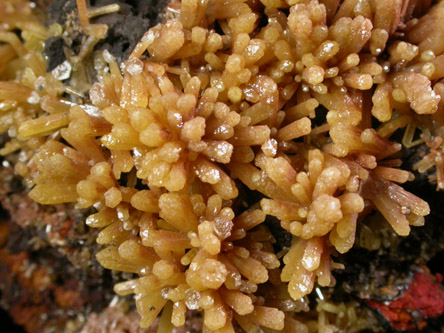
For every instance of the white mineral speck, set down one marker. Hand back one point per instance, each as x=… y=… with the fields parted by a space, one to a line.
x=62 y=71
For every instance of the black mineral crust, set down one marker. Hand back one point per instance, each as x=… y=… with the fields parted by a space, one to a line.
x=54 y=51
x=383 y=275
x=125 y=27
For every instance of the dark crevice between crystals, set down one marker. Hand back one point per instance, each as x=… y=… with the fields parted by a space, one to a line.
x=368 y=273
x=125 y=27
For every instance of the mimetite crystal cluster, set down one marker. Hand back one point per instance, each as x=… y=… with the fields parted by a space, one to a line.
x=290 y=103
